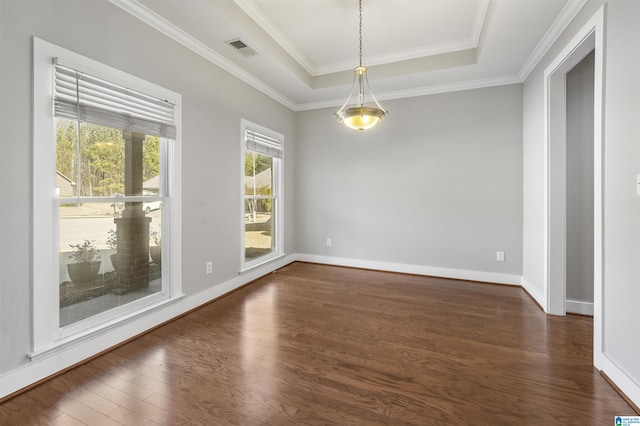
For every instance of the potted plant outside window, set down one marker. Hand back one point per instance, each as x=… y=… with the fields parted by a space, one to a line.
x=155 y=246
x=112 y=243
x=83 y=272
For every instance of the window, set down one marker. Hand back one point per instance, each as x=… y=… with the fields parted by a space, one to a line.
x=106 y=212
x=262 y=194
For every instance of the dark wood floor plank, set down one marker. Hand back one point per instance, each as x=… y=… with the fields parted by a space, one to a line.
x=314 y=344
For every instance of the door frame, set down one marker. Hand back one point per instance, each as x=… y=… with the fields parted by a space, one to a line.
x=589 y=38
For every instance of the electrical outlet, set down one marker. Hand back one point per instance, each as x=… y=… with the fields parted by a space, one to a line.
x=328 y=242
x=209 y=267
x=500 y=256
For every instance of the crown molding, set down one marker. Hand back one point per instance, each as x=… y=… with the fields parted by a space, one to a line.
x=433 y=50
x=139 y=11
x=436 y=49
x=478 y=24
x=422 y=91
x=274 y=32
x=134 y=8
x=250 y=8
x=563 y=20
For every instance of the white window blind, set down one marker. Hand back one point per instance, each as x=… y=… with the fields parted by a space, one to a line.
x=263 y=144
x=80 y=96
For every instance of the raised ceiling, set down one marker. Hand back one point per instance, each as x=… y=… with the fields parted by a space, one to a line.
x=307 y=49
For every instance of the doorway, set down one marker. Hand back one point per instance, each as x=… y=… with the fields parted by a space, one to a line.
x=579 y=188
x=588 y=40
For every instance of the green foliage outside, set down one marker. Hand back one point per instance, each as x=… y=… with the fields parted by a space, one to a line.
x=102 y=157
x=255 y=163
x=150 y=157
x=266 y=203
x=84 y=252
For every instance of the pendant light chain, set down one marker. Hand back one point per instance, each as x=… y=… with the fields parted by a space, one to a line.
x=360 y=29
x=360 y=116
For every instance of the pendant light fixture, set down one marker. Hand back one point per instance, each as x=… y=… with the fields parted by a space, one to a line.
x=361 y=117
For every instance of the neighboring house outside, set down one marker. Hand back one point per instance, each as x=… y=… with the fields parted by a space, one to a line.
x=65 y=187
x=152 y=186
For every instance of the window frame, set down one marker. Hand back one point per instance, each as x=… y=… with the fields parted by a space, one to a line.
x=277 y=197
x=48 y=337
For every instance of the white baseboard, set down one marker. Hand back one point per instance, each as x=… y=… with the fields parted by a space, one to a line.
x=577 y=307
x=36 y=370
x=460 y=274
x=533 y=292
x=625 y=383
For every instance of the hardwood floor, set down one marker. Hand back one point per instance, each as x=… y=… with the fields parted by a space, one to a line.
x=313 y=344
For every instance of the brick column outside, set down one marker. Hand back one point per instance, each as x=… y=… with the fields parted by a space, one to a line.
x=132 y=253
x=132 y=229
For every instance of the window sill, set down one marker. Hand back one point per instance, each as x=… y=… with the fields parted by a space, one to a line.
x=260 y=262
x=88 y=334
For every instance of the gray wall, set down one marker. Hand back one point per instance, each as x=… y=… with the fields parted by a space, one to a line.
x=621 y=204
x=449 y=191
x=533 y=155
x=439 y=183
x=621 y=291
x=580 y=181
x=213 y=104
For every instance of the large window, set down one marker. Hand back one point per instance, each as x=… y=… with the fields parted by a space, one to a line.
x=262 y=194
x=106 y=170
x=110 y=243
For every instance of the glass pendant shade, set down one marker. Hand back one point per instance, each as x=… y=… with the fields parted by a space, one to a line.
x=360 y=117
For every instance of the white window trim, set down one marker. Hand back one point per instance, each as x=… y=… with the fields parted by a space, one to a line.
x=47 y=336
x=278 y=186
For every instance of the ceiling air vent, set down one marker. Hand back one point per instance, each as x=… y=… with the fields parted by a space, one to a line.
x=241 y=47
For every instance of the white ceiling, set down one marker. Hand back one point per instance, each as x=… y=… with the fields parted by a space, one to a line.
x=307 y=49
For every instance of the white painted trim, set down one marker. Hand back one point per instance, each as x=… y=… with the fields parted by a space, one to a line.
x=264 y=22
x=594 y=29
x=46 y=366
x=47 y=335
x=86 y=335
x=578 y=307
x=460 y=274
x=565 y=17
x=478 y=24
x=278 y=196
x=157 y=22
x=422 y=91
x=250 y=8
x=626 y=384
x=404 y=55
x=599 y=19
x=580 y=45
x=43 y=266
x=533 y=291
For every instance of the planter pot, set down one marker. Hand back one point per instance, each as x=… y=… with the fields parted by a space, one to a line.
x=84 y=274
x=114 y=261
x=156 y=254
